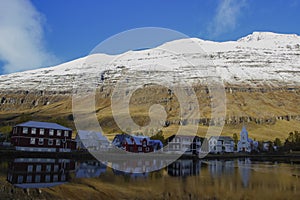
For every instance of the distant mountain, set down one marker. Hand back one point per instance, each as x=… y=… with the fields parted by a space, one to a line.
x=253 y=59
x=261 y=75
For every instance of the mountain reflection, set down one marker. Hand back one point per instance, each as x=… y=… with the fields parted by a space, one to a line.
x=39 y=172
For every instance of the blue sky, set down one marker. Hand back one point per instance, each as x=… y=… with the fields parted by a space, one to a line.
x=39 y=33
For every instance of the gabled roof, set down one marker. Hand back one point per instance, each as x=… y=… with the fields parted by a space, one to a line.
x=221 y=137
x=35 y=124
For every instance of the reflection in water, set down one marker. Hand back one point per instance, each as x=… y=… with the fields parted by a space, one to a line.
x=140 y=166
x=217 y=168
x=229 y=179
x=184 y=167
x=89 y=169
x=39 y=172
x=244 y=166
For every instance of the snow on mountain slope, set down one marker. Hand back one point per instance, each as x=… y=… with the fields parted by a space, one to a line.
x=259 y=58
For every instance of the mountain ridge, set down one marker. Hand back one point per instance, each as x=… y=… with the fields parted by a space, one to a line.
x=273 y=57
x=261 y=82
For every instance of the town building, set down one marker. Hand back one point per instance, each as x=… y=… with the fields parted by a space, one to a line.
x=267 y=146
x=184 y=144
x=246 y=144
x=42 y=137
x=221 y=144
x=137 y=144
x=92 y=141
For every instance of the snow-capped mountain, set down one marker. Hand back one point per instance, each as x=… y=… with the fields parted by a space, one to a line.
x=259 y=58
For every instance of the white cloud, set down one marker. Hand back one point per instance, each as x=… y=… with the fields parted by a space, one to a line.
x=226 y=17
x=21 y=37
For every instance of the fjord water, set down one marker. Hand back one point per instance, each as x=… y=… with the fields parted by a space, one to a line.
x=183 y=179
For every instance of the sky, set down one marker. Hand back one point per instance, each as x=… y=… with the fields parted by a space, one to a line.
x=35 y=33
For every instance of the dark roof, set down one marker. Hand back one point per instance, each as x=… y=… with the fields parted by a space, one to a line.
x=49 y=125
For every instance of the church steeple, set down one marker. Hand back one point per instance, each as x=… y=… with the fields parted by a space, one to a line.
x=244 y=133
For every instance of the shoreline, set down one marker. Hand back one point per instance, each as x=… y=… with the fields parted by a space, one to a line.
x=81 y=155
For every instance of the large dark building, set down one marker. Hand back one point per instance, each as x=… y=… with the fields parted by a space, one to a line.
x=43 y=137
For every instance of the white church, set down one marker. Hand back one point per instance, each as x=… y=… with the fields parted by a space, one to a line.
x=246 y=144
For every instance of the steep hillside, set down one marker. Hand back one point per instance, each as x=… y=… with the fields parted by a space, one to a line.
x=260 y=72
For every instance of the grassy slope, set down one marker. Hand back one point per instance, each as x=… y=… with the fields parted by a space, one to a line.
x=254 y=104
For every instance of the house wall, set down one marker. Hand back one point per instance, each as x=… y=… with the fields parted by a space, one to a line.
x=41 y=139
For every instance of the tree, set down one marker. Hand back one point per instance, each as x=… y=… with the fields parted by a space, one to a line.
x=277 y=142
x=159 y=136
x=291 y=137
x=235 y=139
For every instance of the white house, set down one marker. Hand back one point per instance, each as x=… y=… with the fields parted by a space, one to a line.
x=221 y=144
x=184 y=144
x=246 y=144
x=91 y=140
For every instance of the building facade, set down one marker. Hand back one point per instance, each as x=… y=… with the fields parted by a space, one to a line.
x=42 y=137
x=92 y=141
x=184 y=144
x=221 y=144
x=137 y=144
x=245 y=144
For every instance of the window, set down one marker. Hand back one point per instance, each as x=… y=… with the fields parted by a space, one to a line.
x=58 y=133
x=66 y=134
x=48 y=168
x=32 y=140
x=33 y=130
x=51 y=132
x=29 y=179
x=25 y=130
x=50 y=142
x=42 y=131
x=37 y=178
x=47 y=178
x=38 y=168
x=55 y=168
x=57 y=142
x=30 y=168
x=20 y=179
x=55 y=178
x=15 y=131
x=63 y=177
x=41 y=141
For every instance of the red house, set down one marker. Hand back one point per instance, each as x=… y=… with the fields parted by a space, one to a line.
x=43 y=137
x=138 y=144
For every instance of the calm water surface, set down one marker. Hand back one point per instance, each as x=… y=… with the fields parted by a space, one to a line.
x=221 y=179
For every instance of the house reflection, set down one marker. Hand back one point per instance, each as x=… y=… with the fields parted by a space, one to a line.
x=184 y=167
x=218 y=168
x=90 y=169
x=137 y=168
x=39 y=172
x=245 y=170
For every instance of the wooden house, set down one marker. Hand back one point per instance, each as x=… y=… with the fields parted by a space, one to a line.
x=184 y=144
x=42 y=137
